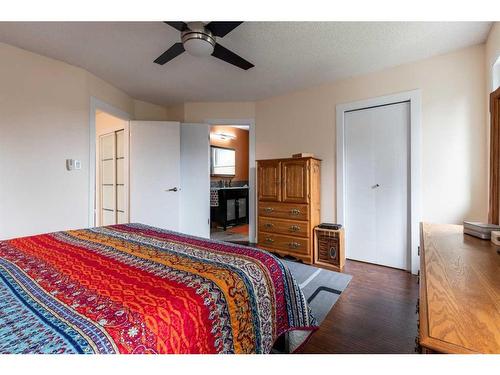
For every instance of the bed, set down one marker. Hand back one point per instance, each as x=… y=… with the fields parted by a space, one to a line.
x=138 y=289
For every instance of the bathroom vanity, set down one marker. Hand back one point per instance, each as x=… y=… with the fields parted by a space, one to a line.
x=229 y=205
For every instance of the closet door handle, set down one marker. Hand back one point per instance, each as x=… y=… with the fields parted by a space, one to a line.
x=174 y=189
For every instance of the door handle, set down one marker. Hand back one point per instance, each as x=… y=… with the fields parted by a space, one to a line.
x=375 y=186
x=174 y=189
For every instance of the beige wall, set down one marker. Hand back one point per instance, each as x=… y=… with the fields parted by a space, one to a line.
x=44 y=119
x=199 y=112
x=454 y=156
x=176 y=112
x=492 y=54
x=102 y=90
x=106 y=123
x=149 y=112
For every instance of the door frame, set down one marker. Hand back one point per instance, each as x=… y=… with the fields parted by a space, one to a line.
x=414 y=211
x=97 y=105
x=251 y=169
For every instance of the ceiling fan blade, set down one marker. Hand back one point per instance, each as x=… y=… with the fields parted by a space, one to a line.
x=222 y=28
x=231 y=57
x=170 y=53
x=179 y=25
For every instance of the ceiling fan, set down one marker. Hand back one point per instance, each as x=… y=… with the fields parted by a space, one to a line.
x=199 y=39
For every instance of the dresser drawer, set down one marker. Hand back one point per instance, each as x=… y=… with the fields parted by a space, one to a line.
x=281 y=226
x=285 y=243
x=284 y=210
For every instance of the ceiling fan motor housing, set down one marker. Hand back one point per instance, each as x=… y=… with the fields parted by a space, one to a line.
x=198 y=40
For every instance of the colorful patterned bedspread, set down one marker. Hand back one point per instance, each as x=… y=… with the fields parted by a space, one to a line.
x=138 y=289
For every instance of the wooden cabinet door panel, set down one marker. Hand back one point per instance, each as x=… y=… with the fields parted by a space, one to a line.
x=295 y=181
x=269 y=175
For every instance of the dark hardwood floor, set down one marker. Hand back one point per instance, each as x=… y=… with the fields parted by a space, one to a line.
x=375 y=314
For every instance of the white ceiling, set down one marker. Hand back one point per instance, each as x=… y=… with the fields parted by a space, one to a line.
x=288 y=55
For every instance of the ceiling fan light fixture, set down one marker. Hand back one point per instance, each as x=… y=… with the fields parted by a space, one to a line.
x=198 y=42
x=198 y=47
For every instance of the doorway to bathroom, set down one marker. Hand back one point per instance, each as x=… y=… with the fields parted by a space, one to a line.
x=229 y=183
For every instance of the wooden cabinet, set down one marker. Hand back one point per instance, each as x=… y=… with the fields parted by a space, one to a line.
x=459 y=292
x=269 y=178
x=288 y=205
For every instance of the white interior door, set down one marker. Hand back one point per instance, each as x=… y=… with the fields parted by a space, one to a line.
x=155 y=173
x=195 y=180
x=377 y=184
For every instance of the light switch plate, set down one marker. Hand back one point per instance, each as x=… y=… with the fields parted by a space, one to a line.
x=72 y=164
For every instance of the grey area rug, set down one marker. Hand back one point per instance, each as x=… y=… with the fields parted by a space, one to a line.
x=322 y=288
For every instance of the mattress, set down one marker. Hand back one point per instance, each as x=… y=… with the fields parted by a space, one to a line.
x=139 y=289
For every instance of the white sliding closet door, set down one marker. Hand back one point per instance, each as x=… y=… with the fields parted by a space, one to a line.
x=377 y=184
x=155 y=173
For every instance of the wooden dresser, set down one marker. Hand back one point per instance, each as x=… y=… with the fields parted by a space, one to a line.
x=459 y=304
x=288 y=196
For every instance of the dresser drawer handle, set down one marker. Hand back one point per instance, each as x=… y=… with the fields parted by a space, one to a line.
x=295 y=211
x=294 y=245
x=269 y=239
x=269 y=209
x=269 y=225
x=294 y=228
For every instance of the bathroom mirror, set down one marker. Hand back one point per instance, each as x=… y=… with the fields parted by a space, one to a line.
x=222 y=161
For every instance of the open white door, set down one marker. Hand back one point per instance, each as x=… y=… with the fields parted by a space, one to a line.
x=155 y=173
x=195 y=180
